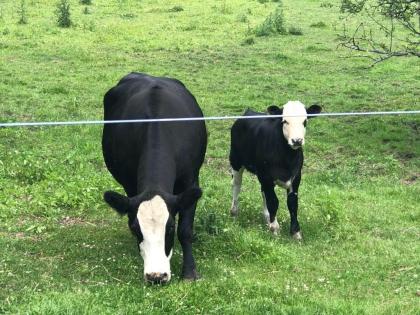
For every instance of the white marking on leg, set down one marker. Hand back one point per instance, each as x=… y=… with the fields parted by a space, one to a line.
x=265 y=212
x=285 y=185
x=273 y=226
x=297 y=236
x=236 y=189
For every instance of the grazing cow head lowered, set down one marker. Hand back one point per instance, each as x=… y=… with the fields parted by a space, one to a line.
x=294 y=126
x=151 y=218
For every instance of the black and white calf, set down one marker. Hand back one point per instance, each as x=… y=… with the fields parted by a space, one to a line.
x=157 y=164
x=271 y=148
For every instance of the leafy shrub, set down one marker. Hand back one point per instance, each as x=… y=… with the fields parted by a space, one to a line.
x=128 y=16
x=22 y=13
x=248 y=41
x=243 y=18
x=63 y=13
x=86 y=2
x=326 y=5
x=319 y=25
x=293 y=30
x=176 y=8
x=273 y=24
x=278 y=20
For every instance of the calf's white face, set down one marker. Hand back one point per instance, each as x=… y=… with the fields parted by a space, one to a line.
x=294 y=127
x=153 y=216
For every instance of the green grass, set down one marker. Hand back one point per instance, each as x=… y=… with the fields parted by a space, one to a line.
x=64 y=251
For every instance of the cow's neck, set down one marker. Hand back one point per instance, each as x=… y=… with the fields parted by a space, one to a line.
x=157 y=167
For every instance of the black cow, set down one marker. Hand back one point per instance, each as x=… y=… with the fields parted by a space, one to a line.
x=157 y=164
x=271 y=148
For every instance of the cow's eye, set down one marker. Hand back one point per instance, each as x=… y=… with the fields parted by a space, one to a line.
x=284 y=122
x=304 y=123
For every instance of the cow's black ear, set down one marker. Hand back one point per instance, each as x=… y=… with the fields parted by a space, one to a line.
x=188 y=198
x=274 y=110
x=313 y=109
x=117 y=201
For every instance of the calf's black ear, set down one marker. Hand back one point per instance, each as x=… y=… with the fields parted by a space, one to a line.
x=313 y=109
x=274 y=110
x=188 y=198
x=117 y=201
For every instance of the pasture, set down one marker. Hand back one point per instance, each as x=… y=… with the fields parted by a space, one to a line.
x=64 y=251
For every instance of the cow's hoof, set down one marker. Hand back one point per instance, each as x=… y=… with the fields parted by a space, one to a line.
x=297 y=236
x=274 y=227
x=191 y=275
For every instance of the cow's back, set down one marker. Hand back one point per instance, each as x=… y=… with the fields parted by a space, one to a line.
x=139 y=96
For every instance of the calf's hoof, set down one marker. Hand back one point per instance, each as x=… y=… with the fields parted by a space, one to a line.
x=190 y=275
x=297 y=236
x=234 y=211
x=266 y=218
x=274 y=227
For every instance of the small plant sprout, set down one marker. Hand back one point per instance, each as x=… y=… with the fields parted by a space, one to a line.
x=63 y=13
x=22 y=13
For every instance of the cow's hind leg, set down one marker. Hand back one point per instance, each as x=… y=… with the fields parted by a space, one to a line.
x=236 y=189
x=292 y=205
x=185 y=235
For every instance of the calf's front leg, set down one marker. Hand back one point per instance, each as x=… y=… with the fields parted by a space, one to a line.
x=292 y=205
x=270 y=206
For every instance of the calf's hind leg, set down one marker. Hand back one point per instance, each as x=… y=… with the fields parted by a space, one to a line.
x=236 y=189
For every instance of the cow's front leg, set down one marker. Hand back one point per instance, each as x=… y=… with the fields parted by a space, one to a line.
x=292 y=205
x=270 y=206
x=185 y=233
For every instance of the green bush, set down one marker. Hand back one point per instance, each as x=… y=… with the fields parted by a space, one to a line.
x=248 y=41
x=293 y=30
x=273 y=24
x=176 y=8
x=319 y=25
x=243 y=18
x=63 y=13
x=86 y=2
x=22 y=13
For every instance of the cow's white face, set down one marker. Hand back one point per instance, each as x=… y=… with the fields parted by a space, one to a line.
x=151 y=220
x=153 y=216
x=294 y=127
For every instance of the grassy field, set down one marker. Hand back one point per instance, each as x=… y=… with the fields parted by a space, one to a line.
x=64 y=251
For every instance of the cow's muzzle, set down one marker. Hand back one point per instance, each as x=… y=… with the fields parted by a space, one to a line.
x=156 y=277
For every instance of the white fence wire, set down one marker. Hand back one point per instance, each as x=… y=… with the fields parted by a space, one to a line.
x=183 y=119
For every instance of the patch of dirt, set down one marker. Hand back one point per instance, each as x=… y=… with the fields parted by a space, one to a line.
x=410 y=180
x=21 y=236
x=70 y=221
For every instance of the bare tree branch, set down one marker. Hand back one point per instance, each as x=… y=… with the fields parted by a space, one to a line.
x=394 y=19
